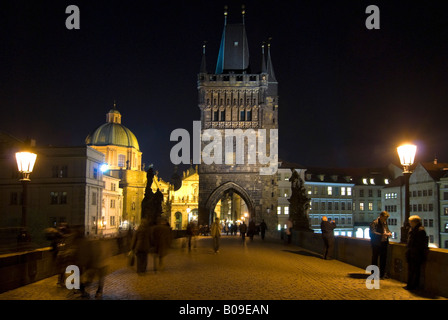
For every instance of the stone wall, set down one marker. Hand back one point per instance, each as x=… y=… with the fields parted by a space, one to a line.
x=358 y=252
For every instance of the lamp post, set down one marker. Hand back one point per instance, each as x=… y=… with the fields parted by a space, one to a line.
x=25 y=165
x=407 y=155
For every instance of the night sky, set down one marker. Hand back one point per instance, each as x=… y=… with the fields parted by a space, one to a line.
x=348 y=96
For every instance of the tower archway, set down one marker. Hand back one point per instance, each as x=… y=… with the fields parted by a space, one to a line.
x=217 y=194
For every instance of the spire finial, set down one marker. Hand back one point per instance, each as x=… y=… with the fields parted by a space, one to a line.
x=225 y=14
x=243 y=11
x=115 y=104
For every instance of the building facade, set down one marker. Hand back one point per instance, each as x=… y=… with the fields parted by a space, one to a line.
x=124 y=162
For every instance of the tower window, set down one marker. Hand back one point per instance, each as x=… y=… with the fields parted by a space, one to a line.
x=215 y=116
x=249 y=115
x=223 y=115
x=242 y=115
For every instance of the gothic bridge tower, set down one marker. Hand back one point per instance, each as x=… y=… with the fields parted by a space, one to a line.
x=233 y=98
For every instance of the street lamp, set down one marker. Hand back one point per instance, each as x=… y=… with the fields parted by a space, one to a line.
x=406 y=154
x=25 y=165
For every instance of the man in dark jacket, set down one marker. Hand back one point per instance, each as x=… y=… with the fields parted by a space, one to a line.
x=416 y=251
x=327 y=228
x=379 y=239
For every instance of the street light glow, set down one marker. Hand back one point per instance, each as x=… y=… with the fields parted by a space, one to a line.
x=26 y=161
x=407 y=153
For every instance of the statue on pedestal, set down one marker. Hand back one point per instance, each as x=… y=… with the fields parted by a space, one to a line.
x=298 y=203
x=152 y=202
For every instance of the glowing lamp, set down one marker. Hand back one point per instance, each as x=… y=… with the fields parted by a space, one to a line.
x=104 y=167
x=25 y=163
x=407 y=155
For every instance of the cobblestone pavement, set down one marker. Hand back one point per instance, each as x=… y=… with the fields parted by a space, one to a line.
x=258 y=270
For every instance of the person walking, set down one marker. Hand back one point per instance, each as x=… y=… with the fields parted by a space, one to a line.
x=243 y=230
x=140 y=245
x=263 y=228
x=379 y=240
x=160 y=242
x=416 y=251
x=215 y=232
x=327 y=229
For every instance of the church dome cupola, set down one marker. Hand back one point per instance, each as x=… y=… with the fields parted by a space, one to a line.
x=112 y=132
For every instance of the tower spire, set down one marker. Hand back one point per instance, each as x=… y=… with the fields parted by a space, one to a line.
x=203 y=62
x=270 y=66
x=263 y=59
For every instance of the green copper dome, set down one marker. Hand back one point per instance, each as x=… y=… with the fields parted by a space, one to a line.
x=112 y=133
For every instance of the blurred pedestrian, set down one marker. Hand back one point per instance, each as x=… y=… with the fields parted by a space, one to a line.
x=289 y=226
x=215 y=232
x=251 y=229
x=140 y=245
x=243 y=230
x=327 y=229
x=379 y=240
x=417 y=248
x=160 y=242
x=93 y=255
x=263 y=228
x=192 y=232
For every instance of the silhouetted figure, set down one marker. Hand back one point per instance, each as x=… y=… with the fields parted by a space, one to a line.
x=251 y=229
x=263 y=228
x=215 y=232
x=417 y=249
x=243 y=230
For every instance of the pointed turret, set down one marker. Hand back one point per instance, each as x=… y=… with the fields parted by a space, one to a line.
x=263 y=60
x=270 y=66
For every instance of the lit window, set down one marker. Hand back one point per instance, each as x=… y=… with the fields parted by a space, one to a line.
x=364 y=180
x=342 y=191
x=386 y=181
x=349 y=191
x=329 y=191
x=370 y=206
x=361 y=206
x=286 y=210
x=372 y=181
x=279 y=210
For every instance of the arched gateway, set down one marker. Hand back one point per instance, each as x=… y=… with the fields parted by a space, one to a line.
x=219 y=193
x=233 y=99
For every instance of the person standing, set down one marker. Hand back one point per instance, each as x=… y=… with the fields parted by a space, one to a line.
x=263 y=228
x=417 y=248
x=327 y=229
x=215 y=232
x=379 y=240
